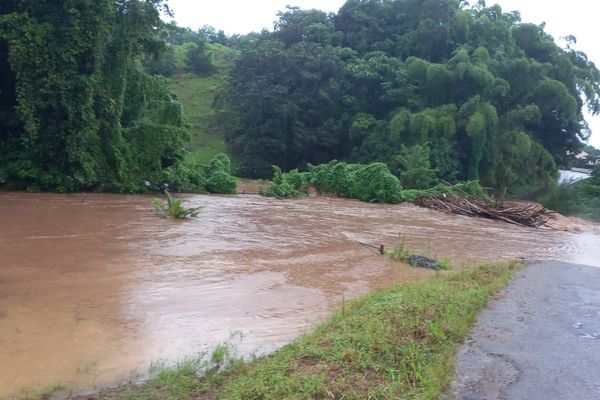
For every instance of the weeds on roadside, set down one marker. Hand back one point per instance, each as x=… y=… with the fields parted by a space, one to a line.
x=400 y=252
x=42 y=394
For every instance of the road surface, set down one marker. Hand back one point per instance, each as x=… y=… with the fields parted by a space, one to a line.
x=539 y=338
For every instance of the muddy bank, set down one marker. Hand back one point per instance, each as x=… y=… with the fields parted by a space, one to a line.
x=95 y=287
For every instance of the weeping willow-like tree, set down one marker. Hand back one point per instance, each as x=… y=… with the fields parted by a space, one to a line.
x=76 y=111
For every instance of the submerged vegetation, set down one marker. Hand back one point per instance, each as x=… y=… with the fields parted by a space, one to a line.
x=288 y=184
x=401 y=253
x=367 y=182
x=194 y=177
x=173 y=208
x=370 y=182
x=394 y=343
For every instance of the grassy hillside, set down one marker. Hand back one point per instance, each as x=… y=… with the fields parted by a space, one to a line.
x=197 y=94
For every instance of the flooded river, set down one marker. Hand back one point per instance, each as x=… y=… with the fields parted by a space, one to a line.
x=94 y=288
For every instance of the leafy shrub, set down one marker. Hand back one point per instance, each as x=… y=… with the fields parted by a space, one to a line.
x=218 y=176
x=185 y=178
x=298 y=180
x=221 y=182
x=290 y=184
x=173 y=208
x=375 y=183
x=191 y=177
x=372 y=182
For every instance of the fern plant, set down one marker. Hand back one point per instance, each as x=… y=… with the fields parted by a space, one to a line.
x=173 y=208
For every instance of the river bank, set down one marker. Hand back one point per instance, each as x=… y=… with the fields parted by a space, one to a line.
x=394 y=343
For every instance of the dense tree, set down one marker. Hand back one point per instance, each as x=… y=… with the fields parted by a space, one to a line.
x=478 y=92
x=78 y=113
x=198 y=58
x=162 y=63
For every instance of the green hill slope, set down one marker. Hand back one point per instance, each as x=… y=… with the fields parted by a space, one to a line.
x=197 y=94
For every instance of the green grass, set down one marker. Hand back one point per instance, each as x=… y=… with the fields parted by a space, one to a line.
x=41 y=394
x=196 y=94
x=395 y=343
x=401 y=253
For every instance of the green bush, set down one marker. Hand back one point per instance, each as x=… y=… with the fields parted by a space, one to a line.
x=218 y=176
x=185 y=178
x=339 y=179
x=221 y=182
x=375 y=183
x=193 y=177
x=290 y=184
x=372 y=182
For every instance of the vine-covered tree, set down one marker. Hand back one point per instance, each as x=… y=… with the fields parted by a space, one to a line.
x=76 y=111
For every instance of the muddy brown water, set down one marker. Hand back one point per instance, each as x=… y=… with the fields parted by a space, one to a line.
x=94 y=288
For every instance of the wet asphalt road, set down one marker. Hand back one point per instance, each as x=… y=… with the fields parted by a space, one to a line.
x=538 y=339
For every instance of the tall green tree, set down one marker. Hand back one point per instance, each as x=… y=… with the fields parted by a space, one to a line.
x=70 y=94
x=488 y=96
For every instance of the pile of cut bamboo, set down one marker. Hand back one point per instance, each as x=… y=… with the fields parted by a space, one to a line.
x=531 y=215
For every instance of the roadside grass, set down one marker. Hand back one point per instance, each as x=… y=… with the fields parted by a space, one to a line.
x=41 y=394
x=401 y=253
x=395 y=343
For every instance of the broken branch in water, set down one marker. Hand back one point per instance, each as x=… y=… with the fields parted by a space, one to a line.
x=531 y=215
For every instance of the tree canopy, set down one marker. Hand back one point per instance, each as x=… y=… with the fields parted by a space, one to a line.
x=480 y=93
x=77 y=112
x=434 y=89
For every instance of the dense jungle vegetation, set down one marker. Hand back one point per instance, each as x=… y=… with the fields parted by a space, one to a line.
x=433 y=89
x=84 y=107
x=471 y=91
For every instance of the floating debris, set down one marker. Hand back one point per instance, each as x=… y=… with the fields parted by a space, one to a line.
x=531 y=215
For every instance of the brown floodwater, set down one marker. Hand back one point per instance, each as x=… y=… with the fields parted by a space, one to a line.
x=94 y=288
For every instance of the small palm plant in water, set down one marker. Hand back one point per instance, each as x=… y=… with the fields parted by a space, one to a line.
x=173 y=208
